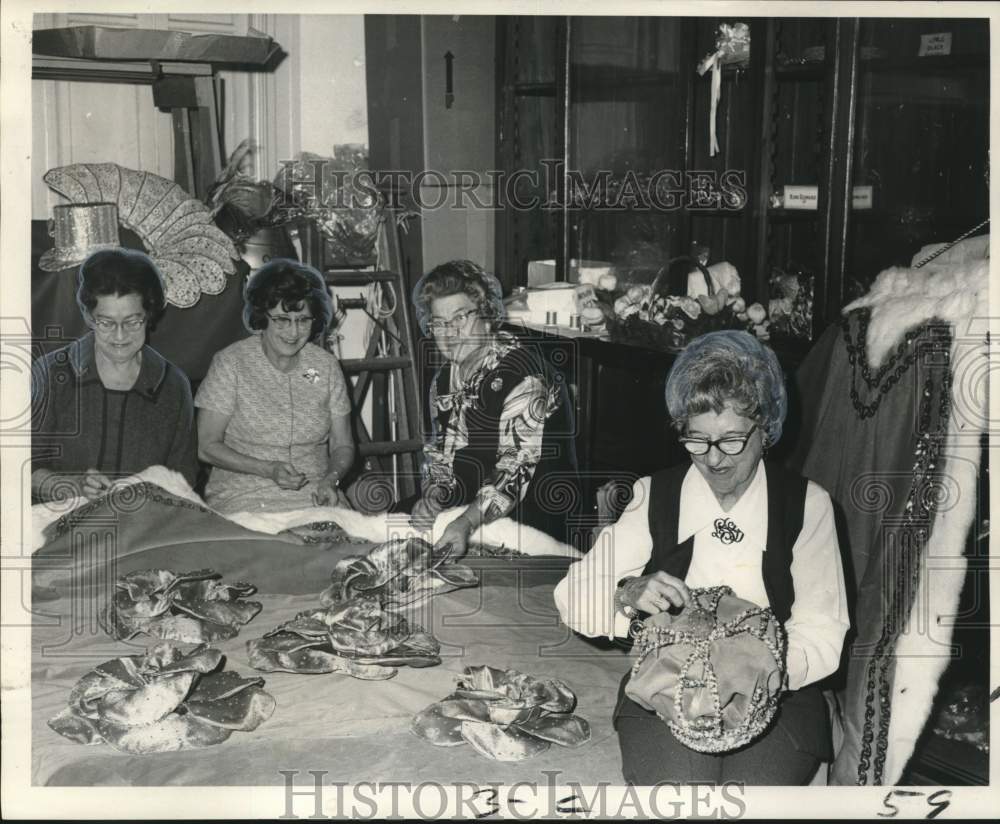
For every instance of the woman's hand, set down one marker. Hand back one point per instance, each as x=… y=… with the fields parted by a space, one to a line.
x=423 y=515
x=94 y=484
x=455 y=537
x=328 y=493
x=286 y=476
x=655 y=593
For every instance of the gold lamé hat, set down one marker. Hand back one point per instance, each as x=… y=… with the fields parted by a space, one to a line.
x=79 y=231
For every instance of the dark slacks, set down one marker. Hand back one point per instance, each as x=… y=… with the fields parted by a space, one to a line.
x=788 y=754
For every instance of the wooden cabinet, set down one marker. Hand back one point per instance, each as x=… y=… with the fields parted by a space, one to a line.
x=891 y=133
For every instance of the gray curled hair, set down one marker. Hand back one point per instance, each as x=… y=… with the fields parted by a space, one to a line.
x=458 y=277
x=728 y=367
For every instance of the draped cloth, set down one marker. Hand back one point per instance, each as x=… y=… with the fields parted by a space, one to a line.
x=893 y=406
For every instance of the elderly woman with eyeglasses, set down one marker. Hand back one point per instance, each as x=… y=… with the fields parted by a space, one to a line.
x=274 y=413
x=108 y=405
x=727 y=518
x=501 y=425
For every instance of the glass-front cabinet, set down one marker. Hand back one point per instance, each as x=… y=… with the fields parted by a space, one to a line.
x=841 y=146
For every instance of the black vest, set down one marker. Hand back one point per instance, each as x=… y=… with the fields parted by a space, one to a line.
x=553 y=491
x=802 y=713
x=786 y=498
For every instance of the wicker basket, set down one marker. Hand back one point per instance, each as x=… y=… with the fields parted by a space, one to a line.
x=646 y=333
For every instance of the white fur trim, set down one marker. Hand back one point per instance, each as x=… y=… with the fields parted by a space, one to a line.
x=381 y=527
x=44 y=514
x=922 y=653
x=902 y=299
x=374 y=528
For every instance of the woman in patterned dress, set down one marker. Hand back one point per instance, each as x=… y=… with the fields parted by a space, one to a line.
x=274 y=412
x=501 y=439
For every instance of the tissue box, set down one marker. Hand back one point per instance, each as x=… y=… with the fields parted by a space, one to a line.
x=556 y=304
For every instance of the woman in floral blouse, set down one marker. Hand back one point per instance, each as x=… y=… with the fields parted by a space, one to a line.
x=501 y=439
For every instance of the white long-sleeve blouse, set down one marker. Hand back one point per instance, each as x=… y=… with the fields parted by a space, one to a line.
x=819 y=618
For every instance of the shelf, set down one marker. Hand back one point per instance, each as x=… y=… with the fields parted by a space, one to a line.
x=925 y=65
x=792 y=215
x=694 y=212
x=112 y=71
x=800 y=71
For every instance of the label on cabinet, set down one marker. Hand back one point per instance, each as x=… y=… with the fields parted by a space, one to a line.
x=861 y=197
x=801 y=197
x=934 y=44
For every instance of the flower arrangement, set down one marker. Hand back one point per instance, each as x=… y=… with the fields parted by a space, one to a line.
x=338 y=195
x=241 y=205
x=646 y=314
x=791 y=306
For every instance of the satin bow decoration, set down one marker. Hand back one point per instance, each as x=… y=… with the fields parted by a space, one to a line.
x=356 y=637
x=191 y=607
x=163 y=701
x=732 y=45
x=400 y=572
x=505 y=715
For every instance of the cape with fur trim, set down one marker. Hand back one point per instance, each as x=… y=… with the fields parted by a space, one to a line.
x=885 y=423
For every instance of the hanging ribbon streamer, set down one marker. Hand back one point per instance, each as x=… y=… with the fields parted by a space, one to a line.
x=732 y=46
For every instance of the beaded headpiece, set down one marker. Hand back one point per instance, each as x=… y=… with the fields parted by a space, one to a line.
x=714 y=672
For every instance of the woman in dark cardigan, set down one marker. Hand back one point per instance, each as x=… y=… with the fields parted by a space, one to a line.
x=107 y=405
x=501 y=441
x=727 y=518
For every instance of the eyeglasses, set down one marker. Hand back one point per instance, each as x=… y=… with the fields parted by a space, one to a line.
x=458 y=321
x=727 y=446
x=108 y=327
x=283 y=323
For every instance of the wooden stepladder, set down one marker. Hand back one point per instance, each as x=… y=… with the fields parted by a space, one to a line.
x=386 y=374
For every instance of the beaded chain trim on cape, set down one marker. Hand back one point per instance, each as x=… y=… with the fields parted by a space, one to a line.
x=708 y=733
x=122 y=499
x=922 y=499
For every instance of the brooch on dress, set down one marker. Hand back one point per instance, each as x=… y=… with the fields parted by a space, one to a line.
x=727 y=531
x=497 y=384
x=311 y=375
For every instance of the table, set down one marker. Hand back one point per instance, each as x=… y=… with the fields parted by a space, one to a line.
x=356 y=730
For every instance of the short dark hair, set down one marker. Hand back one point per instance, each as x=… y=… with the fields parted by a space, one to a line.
x=459 y=277
x=121 y=272
x=291 y=285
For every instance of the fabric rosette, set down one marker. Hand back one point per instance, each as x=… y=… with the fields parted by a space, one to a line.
x=400 y=572
x=356 y=637
x=505 y=715
x=714 y=672
x=191 y=607
x=163 y=701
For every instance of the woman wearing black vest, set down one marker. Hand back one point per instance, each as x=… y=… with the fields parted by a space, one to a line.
x=727 y=518
x=501 y=440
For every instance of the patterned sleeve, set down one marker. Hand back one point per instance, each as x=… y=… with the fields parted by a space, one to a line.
x=340 y=401
x=217 y=391
x=522 y=425
x=436 y=469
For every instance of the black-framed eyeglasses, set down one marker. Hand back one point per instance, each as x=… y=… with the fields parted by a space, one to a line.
x=458 y=321
x=727 y=446
x=283 y=323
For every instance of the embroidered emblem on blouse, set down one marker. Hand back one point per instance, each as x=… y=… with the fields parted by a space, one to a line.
x=727 y=531
x=311 y=375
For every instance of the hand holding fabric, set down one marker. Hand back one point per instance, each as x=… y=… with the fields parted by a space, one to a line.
x=286 y=476
x=95 y=484
x=655 y=593
x=328 y=493
x=455 y=538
